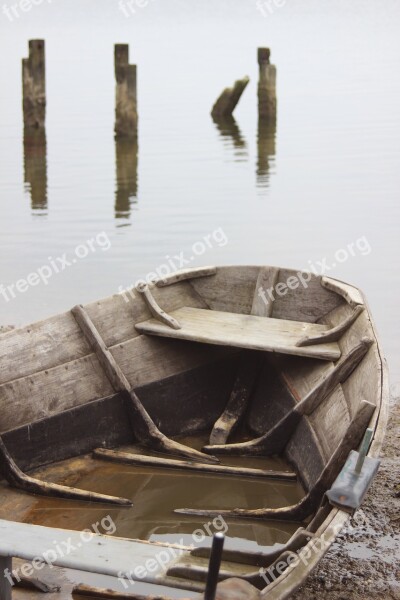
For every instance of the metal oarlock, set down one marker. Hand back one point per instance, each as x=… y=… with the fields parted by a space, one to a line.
x=214 y=566
x=354 y=480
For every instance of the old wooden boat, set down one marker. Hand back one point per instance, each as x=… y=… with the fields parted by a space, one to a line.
x=253 y=398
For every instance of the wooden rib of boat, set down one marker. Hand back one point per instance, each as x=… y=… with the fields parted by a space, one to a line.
x=264 y=361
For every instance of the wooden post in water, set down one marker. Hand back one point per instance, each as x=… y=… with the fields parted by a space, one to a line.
x=266 y=86
x=227 y=101
x=126 y=118
x=34 y=86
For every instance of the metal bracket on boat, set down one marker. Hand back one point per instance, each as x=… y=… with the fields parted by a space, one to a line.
x=155 y=309
x=185 y=274
x=354 y=480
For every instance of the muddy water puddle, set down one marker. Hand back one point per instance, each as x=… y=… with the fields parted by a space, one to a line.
x=156 y=492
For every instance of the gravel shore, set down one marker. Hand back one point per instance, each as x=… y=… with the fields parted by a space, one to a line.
x=365 y=560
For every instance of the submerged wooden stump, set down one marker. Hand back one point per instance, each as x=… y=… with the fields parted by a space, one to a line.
x=34 y=86
x=267 y=104
x=227 y=102
x=126 y=118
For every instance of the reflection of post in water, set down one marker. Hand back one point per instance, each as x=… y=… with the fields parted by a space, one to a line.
x=126 y=152
x=266 y=136
x=230 y=132
x=35 y=167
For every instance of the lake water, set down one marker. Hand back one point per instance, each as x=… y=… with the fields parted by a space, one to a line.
x=326 y=178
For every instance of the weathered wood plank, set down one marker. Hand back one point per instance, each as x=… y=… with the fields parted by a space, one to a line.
x=334 y=334
x=88 y=552
x=300 y=296
x=350 y=293
x=152 y=461
x=17 y=479
x=231 y=289
x=308 y=505
x=143 y=426
x=40 y=346
x=242 y=331
x=59 y=340
x=155 y=308
x=274 y=441
x=249 y=368
x=5 y=583
x=185 y=274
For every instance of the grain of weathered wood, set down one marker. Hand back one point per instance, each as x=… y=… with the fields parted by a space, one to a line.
x=152 y=461
x=155 y=308
x=17 y=479
x=142 y=424
x=88 y=591
x=308 y=505
x=246 y=379
x=250 y=365
x=351 y=294
x=274 y=441
x=334 y=334
x=230 y=290
x=5 y=584
x=185 y=274
x=242 y=331
x=228 y=100
x=300 y=296
x=142 y=359
x=262 y=303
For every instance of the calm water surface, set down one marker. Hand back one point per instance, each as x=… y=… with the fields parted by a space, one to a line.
x=325 y=177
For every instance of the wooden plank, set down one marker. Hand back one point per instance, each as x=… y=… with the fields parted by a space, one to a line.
x=262 y=304
x=17 y=479
x=143 y=426
x=249 y=368
x=185 y=274
x=274 y=440
x=243 y=331
x=144 y=360
x=58 y=340
x=155 y=308
x=300 y=296
x=350 y=293
x=165 y=463
x=307 y=506
x=334 y=334
x=5 y=583
x=231 y=289
x=88 y=552
x=41 y=346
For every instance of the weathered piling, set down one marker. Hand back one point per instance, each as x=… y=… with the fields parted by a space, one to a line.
x=35 y=167
x=267 y=103
x=34 y=86
x=126 y=118
x=227 y=101
x=126 y=155
x=266 y=150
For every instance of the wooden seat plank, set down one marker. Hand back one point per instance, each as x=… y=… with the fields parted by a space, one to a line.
x=243 y=331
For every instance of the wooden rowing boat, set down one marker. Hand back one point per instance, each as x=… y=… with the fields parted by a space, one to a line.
x=264 y=362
